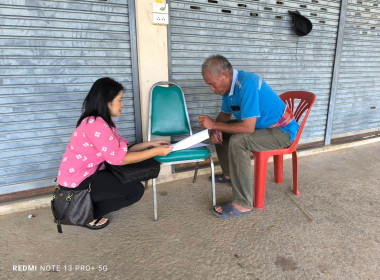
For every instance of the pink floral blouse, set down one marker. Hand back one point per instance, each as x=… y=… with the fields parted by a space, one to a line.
x=92 y=142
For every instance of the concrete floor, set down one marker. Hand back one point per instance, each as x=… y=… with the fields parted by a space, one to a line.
x=339 y=190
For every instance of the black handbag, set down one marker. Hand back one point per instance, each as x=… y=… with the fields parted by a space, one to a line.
x=134 y=172
x=72 y=207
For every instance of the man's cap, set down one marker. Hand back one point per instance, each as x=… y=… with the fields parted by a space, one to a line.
x=301 y=25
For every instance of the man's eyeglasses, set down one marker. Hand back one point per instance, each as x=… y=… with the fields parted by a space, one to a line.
x=235 y=108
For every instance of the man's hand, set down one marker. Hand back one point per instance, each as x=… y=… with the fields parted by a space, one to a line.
x=216 y=137
x=206 y=122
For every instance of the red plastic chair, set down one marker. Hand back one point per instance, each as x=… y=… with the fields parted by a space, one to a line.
x=306 y=101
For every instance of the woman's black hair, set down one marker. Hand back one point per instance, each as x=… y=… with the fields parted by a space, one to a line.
x=103 y=91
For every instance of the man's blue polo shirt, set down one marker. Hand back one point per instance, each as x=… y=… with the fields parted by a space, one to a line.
x=256 y=99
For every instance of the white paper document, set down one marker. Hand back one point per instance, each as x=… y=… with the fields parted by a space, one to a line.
x=191 y=141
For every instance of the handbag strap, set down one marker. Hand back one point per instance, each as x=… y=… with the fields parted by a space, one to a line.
x=93 y=175
x=65 y=208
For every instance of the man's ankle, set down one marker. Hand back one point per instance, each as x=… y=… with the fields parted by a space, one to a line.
x=241 y=208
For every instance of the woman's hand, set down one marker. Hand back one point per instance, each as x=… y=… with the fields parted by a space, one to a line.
x=158 y=143
x=135 y=156
x=162 y=150
x=147 y=145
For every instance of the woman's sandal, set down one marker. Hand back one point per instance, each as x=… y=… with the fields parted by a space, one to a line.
x=96 y=226
x=220 y=179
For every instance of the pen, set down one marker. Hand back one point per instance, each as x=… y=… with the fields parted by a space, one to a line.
x=217 y=135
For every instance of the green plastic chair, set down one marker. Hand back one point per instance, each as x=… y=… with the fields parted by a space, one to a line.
x=168 y=116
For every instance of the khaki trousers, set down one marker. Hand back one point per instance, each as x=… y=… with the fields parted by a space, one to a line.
x=235 y=158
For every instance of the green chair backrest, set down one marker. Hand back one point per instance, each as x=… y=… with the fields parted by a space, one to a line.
x=169 y=114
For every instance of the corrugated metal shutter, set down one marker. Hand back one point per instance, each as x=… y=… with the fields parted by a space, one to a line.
x=357 y=104
x=51 y=53
x=255 y=36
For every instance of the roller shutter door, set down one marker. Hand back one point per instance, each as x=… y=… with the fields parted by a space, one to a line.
x=51 y=53
x=255 y=36
x=357 y=104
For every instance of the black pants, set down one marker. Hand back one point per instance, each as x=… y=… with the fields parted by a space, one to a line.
x=109 y=194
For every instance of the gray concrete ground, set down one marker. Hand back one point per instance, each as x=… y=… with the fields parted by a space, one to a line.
x=339 y=190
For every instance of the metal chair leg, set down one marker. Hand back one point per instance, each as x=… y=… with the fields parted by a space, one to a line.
x=154 y=199
x=196 y=172
x=213 y=181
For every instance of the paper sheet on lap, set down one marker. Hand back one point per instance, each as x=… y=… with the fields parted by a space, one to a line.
x=192 y=141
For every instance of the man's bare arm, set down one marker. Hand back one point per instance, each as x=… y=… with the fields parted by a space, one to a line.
x=245 y=126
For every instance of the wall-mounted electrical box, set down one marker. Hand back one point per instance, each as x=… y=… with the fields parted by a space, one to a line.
x=160 y=13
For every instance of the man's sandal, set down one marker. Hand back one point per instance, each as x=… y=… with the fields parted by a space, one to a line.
x=96 y=226
x=229 y=211
x=220 y=179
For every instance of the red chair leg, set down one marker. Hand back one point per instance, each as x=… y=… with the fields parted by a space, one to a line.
x=278 y=163
x=261 y=166
x=295 y=173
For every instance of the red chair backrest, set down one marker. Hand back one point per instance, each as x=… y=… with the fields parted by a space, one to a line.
x=306 y=101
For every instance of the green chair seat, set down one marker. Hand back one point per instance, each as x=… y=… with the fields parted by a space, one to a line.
x=182 y=155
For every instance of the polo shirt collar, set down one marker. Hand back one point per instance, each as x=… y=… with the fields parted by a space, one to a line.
x=234 y=78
